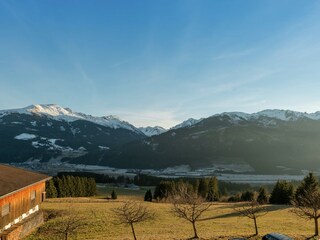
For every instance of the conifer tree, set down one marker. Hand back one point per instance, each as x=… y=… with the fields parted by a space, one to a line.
x=65 y=186
x=307 y=201
x=114 y=194
x=148 y=196
x=78 y=187
x=213 y=190
x=203 y=187
x=309 y=184
x=51 y=191
x=247 y=196
x=93 y=187
x=71 y=186
x=262 y=196
x=164 y=190
x=282 y=193
x=60 y=188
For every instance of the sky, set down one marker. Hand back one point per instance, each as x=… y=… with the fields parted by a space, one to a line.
x=160 y=62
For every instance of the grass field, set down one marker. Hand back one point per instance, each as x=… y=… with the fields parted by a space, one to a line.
x=225 y=223
x=105 y=191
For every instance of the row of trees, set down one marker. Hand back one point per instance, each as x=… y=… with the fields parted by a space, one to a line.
x=99 y=178
x=70 y=186
x=282 y=193
x=206 y=188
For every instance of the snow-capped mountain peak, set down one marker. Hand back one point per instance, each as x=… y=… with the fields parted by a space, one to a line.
x=53 y=110
x=59 y=113
x=283 y=115
x=151 y=131
x=188 y=123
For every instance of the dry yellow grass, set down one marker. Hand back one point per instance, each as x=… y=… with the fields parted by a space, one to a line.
x=225 y=223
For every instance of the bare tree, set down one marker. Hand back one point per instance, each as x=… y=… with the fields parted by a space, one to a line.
x=68 y=224
x=132 y=212
x=189 y=206
x=252 y=210
x=308 y=206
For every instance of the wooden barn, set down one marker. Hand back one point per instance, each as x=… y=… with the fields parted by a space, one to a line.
x=21 y=193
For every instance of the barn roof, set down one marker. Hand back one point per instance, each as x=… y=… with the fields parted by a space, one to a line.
x=13 y=179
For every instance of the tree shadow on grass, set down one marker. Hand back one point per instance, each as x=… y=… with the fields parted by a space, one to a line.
x=269 y=208
x=313 y=237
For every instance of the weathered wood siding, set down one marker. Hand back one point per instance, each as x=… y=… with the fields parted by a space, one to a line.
x=20 y=203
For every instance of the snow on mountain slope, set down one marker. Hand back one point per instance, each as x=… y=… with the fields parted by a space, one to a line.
x=151 y=131
x=65 y=114
x=284 y=115
x=187 y=123
x=25 y=136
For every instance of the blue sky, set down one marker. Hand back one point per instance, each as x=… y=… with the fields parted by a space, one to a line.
x=160 y=62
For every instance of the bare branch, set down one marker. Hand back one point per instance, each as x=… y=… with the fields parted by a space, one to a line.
x=132 y=212
x=252 y=210
x=187 y=205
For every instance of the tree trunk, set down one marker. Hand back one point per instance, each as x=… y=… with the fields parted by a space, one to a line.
x=255 y=226
x=194 y=230
x=134 y=234
x=66 y=236
x=316 y=231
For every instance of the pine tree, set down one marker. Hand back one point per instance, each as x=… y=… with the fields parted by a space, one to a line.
x=60 y=188
x=309 y=184
x=282 y=193
x=71 y=186
x=92 y=187
x=163 y=190
x=262 y=196
x=51 y=191
x=203 y=187
x=148 y=196
x=65 y=186
x=78 y=187
x=247 y=196
x=306 y=202
x=213 y=190
x=114 y=194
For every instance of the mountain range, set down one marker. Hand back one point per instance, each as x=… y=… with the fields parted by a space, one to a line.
x=270 y=141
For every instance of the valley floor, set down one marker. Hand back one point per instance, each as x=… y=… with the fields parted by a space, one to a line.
x=224 y=223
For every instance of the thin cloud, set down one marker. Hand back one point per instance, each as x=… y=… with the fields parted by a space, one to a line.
x=234 y=55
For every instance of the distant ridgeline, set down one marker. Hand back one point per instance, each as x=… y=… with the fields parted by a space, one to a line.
x=70 y=186
x=267 y=142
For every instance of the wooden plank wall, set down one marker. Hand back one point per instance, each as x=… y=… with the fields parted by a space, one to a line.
x=20 y=203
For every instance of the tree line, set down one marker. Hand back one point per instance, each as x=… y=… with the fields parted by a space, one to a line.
x=70 y=186
x=99 y=177
x=283 y=192
x=140 y=179
x=207 y=188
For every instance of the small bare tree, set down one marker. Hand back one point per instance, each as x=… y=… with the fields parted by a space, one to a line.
x=189 y=206
x=68 y=224
x=132 y=212
x=252 y=210
x=308 y=206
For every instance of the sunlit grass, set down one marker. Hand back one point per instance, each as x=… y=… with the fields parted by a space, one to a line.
x=224 y=223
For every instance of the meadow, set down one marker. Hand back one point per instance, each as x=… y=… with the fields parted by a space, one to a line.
x=223 y=222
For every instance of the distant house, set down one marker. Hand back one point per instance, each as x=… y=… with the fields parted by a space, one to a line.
x=21 y=193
